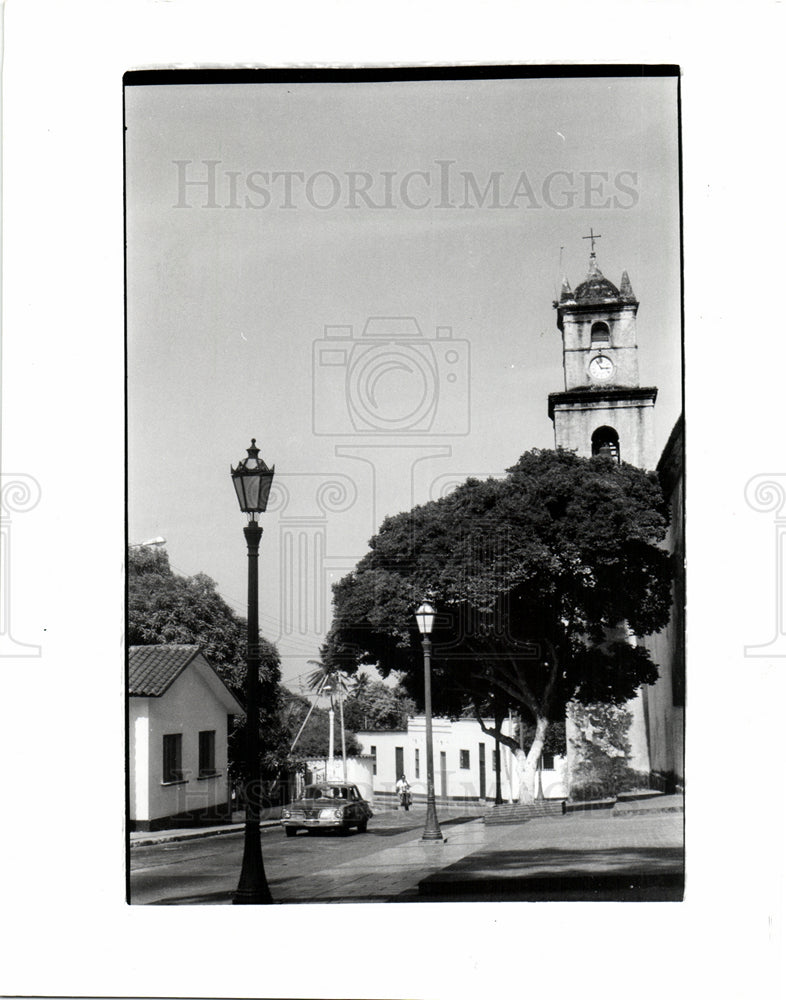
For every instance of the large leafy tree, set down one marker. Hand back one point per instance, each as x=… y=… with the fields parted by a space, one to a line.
x=376 y=705
x=532 y=577
x=165 y=607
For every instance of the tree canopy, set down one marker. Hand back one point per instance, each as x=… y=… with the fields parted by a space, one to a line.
x=165 y=607
x=531 y=576
x=377 y=706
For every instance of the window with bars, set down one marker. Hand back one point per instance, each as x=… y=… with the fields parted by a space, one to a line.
x=464 y=760
x=374 y=762
x=207 y=753
x=417 y=762
x=173 y=757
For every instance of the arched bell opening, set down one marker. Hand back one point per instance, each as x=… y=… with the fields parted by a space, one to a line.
x=599 y=335
x=606 y=441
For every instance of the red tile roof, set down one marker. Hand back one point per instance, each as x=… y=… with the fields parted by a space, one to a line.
x=151 y=669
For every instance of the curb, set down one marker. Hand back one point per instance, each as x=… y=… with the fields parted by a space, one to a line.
x=167 y=838
x=655 y=811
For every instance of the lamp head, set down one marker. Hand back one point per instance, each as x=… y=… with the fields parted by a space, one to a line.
x=252 y=480
x=425 y=618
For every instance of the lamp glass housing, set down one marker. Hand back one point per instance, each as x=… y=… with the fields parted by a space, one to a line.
x=425 y=618
x=252 y=480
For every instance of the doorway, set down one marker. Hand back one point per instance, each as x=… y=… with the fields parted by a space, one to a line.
x=399 y=762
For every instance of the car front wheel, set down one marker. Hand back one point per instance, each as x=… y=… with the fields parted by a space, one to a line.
x=362 y=827
x=290 y=830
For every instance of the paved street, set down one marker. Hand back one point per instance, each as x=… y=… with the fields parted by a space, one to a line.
x=305 y=868
x=572 y=857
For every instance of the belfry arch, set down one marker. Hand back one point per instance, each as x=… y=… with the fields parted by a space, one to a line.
x=606 y=441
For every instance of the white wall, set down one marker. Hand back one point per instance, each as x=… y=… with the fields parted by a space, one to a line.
x=359 y=772
x=139 y=776
x=450 y=738
x=665 y=717
x=196 y=701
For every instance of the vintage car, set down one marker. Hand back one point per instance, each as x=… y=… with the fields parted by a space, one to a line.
x=330 y=805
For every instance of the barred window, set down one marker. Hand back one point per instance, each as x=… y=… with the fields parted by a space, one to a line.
x=173 y=757
x=207 y=752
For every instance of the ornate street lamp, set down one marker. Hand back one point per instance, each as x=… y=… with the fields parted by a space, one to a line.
x=252 y=480
x=425 y=619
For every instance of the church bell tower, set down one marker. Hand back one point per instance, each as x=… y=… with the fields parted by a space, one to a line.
x=603 y=409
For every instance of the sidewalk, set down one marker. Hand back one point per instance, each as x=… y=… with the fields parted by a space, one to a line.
x=579 y=857
x=584 y=856
x=144 y=838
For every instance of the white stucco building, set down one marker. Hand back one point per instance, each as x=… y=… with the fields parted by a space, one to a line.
x=180 y=714
x=464 y=761
x=665 y=700
x=359 y=772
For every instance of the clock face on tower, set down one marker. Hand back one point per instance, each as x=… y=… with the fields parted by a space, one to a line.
x=601 y=368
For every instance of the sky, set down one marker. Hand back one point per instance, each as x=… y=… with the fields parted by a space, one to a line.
x=361 y=277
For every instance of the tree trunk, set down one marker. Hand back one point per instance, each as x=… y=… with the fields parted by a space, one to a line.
x=528 y=763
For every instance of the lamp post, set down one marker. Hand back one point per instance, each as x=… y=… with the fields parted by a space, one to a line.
x=328 y=690
x=252 y=480
x=425 y=619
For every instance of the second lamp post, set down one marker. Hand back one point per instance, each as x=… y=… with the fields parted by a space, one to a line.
x=425 y=619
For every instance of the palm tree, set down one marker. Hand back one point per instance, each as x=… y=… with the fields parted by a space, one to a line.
x=326 y=679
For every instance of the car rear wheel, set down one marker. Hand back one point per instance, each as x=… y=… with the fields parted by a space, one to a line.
x=362 y=827
x=290 y=830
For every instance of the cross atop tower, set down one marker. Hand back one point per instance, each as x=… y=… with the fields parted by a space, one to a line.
x=592 y=236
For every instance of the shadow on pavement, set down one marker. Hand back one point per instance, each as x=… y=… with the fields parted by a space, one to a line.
x=567 y=861
x=620 y=873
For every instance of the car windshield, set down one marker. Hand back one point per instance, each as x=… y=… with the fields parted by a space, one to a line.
x=326 y=792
